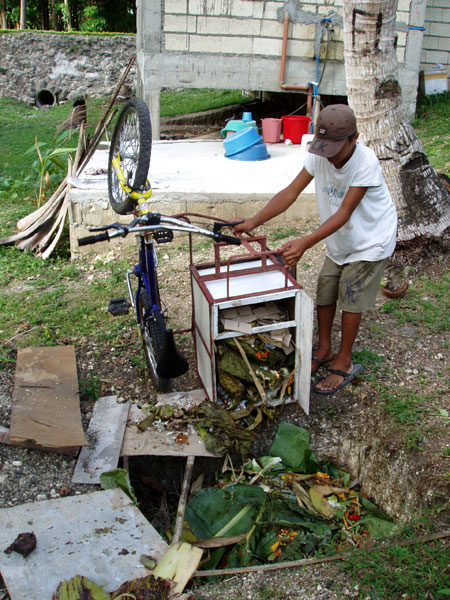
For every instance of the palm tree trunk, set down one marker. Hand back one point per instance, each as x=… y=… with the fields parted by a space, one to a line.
x=421 y=198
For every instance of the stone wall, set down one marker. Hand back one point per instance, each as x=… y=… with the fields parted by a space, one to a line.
x=69 y=65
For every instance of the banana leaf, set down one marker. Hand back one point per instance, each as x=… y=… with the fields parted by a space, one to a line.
x=79 y=587
x=224 y=512
x=291 y=444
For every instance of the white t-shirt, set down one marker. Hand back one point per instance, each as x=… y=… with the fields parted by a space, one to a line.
x=370 y=232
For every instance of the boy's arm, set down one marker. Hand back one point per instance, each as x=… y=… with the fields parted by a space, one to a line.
x=293 y=251
x=278 y=204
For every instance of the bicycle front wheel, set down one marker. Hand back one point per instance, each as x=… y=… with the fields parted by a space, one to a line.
x=152 y=334
x=132 y=143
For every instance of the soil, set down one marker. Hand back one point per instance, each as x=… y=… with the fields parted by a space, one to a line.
x=353 y=427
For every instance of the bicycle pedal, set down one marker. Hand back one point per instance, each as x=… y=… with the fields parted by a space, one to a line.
x=161 y=236
x=119 y=306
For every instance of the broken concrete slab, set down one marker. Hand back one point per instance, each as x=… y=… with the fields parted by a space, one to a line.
x=100 y=535
x=45 y=403
x=105 y=435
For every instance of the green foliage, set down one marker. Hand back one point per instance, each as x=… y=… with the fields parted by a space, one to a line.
x=118 y=478
x=90 y=388
x=51 y=164
x=92 y=20
x=109 y=15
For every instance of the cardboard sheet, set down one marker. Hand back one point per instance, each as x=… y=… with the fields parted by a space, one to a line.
x=45 y=405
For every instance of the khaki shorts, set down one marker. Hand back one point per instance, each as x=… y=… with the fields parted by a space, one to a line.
x=355 y=285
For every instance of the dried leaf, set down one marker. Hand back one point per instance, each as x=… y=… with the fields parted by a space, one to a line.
x=303 y=497
x=326 y=490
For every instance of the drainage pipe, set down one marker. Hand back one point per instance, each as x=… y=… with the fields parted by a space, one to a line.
x=45 y=99
x=286 y=86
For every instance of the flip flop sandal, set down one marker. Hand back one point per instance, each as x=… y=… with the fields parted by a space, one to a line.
x=348 y=377
x=321 y=362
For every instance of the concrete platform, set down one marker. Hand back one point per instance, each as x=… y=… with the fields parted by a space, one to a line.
x=192 y=176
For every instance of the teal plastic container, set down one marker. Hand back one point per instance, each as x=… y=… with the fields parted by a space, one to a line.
x=235 y=125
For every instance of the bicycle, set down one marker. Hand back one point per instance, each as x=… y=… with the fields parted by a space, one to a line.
x=129 y=190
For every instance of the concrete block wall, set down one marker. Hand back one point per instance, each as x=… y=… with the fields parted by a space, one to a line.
x=255 y=27
x=237 y=44
x=436 y=41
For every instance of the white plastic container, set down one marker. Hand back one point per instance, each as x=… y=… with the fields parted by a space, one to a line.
x=435 y=80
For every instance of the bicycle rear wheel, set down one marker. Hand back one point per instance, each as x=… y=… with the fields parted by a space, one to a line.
x=152 y=334
x=132 y=141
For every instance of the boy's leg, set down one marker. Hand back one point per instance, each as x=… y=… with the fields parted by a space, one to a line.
x=343 y=359
x=358 y=288
x=327 y=295
x=325 y=318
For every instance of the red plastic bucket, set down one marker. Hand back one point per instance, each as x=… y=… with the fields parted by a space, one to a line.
x=294 y=127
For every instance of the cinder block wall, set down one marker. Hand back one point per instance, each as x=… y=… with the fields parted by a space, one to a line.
x=237 y=44
x=436 y=42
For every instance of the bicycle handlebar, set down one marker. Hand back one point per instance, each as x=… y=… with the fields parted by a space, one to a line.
x=153 y=222
x=92 y=239
x=229 y=239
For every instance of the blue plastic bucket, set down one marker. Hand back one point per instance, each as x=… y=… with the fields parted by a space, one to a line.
x=241 y=141
x=256 y=152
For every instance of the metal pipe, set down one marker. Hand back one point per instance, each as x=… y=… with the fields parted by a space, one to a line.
x=285 y=86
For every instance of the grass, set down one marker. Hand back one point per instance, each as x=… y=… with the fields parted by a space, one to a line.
x=44 y=304
x=179 y=102
x=415 y=571
x=427 y=304
x=432 y=127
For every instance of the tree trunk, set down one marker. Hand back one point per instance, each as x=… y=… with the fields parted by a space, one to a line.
x=23 y=14
x=68 y=15
x=3 y=23
x=54 y=17
x=421 y=198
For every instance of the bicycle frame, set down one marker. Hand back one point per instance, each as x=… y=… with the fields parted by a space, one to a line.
x=145 y=271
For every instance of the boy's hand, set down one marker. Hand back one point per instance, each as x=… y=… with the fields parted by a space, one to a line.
x=245 y=226
x=293 y=251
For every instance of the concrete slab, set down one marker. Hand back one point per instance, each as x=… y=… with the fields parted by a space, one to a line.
x=105 y=433
x=100 y=535
x=193 y=176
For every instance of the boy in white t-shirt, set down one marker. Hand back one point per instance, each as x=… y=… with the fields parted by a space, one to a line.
x=358 y=223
